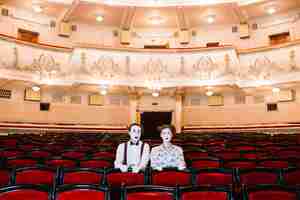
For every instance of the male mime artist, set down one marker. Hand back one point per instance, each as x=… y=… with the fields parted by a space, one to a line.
x=133 y=154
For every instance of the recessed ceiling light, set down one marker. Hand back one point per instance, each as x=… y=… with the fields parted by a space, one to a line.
x=209 y=93
x=99 y=18
x=36 y=88
x=103 y=92
x=211 y=19
x=37 y=8
x=275 y=90
x=155 y=94
x=271 y=10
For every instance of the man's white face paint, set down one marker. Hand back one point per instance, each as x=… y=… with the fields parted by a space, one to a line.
x=166 y=135
x=135 y=134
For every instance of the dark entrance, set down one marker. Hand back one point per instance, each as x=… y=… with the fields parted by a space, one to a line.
x=152 y=120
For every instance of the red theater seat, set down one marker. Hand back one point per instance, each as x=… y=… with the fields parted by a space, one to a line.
x=24 y=192
x=82 y=176
x=271 y=192
x=60 y=162
x=103 y=154
x=80 y=192
x=22 y=162
x=240 y=164
x=148 y=192
x=73 y=154
x=39 y=154
x=96 y=163
x=291 y=176
x=220 y=177
x=115 y=178
x=171 y=178
x=205 y=193
x=35 y=175
x=258 y=176
x=278 y=164
x=4 y=177
x=206 y=163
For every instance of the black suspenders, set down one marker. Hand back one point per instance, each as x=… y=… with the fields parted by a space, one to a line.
x=125 y=152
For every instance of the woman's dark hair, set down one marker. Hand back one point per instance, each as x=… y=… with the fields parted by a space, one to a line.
x=171 y=127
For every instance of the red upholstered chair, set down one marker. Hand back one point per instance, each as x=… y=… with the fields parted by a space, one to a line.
x=206 y=163
x=61 y=162
x=39 y=154
x=81 y=176
x=81 y=192
x=240 y=164
x=228 y=155
x=4 y=177
x=243 y=148
x=288 y=154
x=73 y=154
x=149 y=192
x=270 y=192
x=25 y=192
x=190 y=155
x=35 y=175
x=291 y=176
x=278 y=164
x=258 y=176
x=116 y=178
x=96 y=163
x=103 y=154
x=218 y=177
x=205 y=193
x=21 y=162
x=171 y=177
x=8 y=153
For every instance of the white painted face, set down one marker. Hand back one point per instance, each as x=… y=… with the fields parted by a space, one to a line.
x=166 y=135
x=135 y=134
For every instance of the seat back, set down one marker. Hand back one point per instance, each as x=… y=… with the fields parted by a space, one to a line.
x=205 y=163
x=270 y=192
x=35 y=175
x=291 y=176
x=258 y=176
x=4 y=177
x=171 y=178
x=148 y=192
x=81 y=176
x=115 y=178
x=96 y=163
x=220 y=177
x=25 y=192
x=205 y=193
x=80 y=192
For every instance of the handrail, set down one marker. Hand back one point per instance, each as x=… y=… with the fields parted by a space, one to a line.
x=132 y=49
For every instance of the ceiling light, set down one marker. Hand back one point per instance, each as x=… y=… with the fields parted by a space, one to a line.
x=271 y=10
x=275 y=90
x=209 y=93
x=155 y=94
x=36 y=88
x=211 y=19
x=99 y=18
x=37 y=8
x=103 y=92
x=156 y=20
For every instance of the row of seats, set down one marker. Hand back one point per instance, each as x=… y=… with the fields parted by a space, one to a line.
x=168 y=177
x=148 y=192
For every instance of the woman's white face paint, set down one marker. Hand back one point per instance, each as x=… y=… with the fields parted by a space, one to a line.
x=135 y=134
x=166 y=135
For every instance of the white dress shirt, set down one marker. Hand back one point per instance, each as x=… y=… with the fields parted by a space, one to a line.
x=134 y=157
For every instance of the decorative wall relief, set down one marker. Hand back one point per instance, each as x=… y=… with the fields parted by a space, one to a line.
x=105 y=68
x=205 y=69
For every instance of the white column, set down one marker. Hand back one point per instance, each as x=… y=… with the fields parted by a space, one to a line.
x=178 y=112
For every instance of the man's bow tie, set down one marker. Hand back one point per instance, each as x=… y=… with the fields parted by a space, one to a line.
x=134 y=144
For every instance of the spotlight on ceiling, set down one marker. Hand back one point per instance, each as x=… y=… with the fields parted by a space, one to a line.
x=103 y=92
x=99 y=18
x=37 y=8
x=275 y=90
x=271 y=10
x=36 y=88
x=211 y=19
x=209 y=93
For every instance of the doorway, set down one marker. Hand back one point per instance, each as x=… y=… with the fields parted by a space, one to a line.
x=152 y=120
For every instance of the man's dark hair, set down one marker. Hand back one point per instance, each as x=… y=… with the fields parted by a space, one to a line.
x=134 y=124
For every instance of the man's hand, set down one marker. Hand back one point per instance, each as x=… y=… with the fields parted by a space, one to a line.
x=124 y=168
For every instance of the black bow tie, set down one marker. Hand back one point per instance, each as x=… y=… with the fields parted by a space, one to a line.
x=134 y=144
